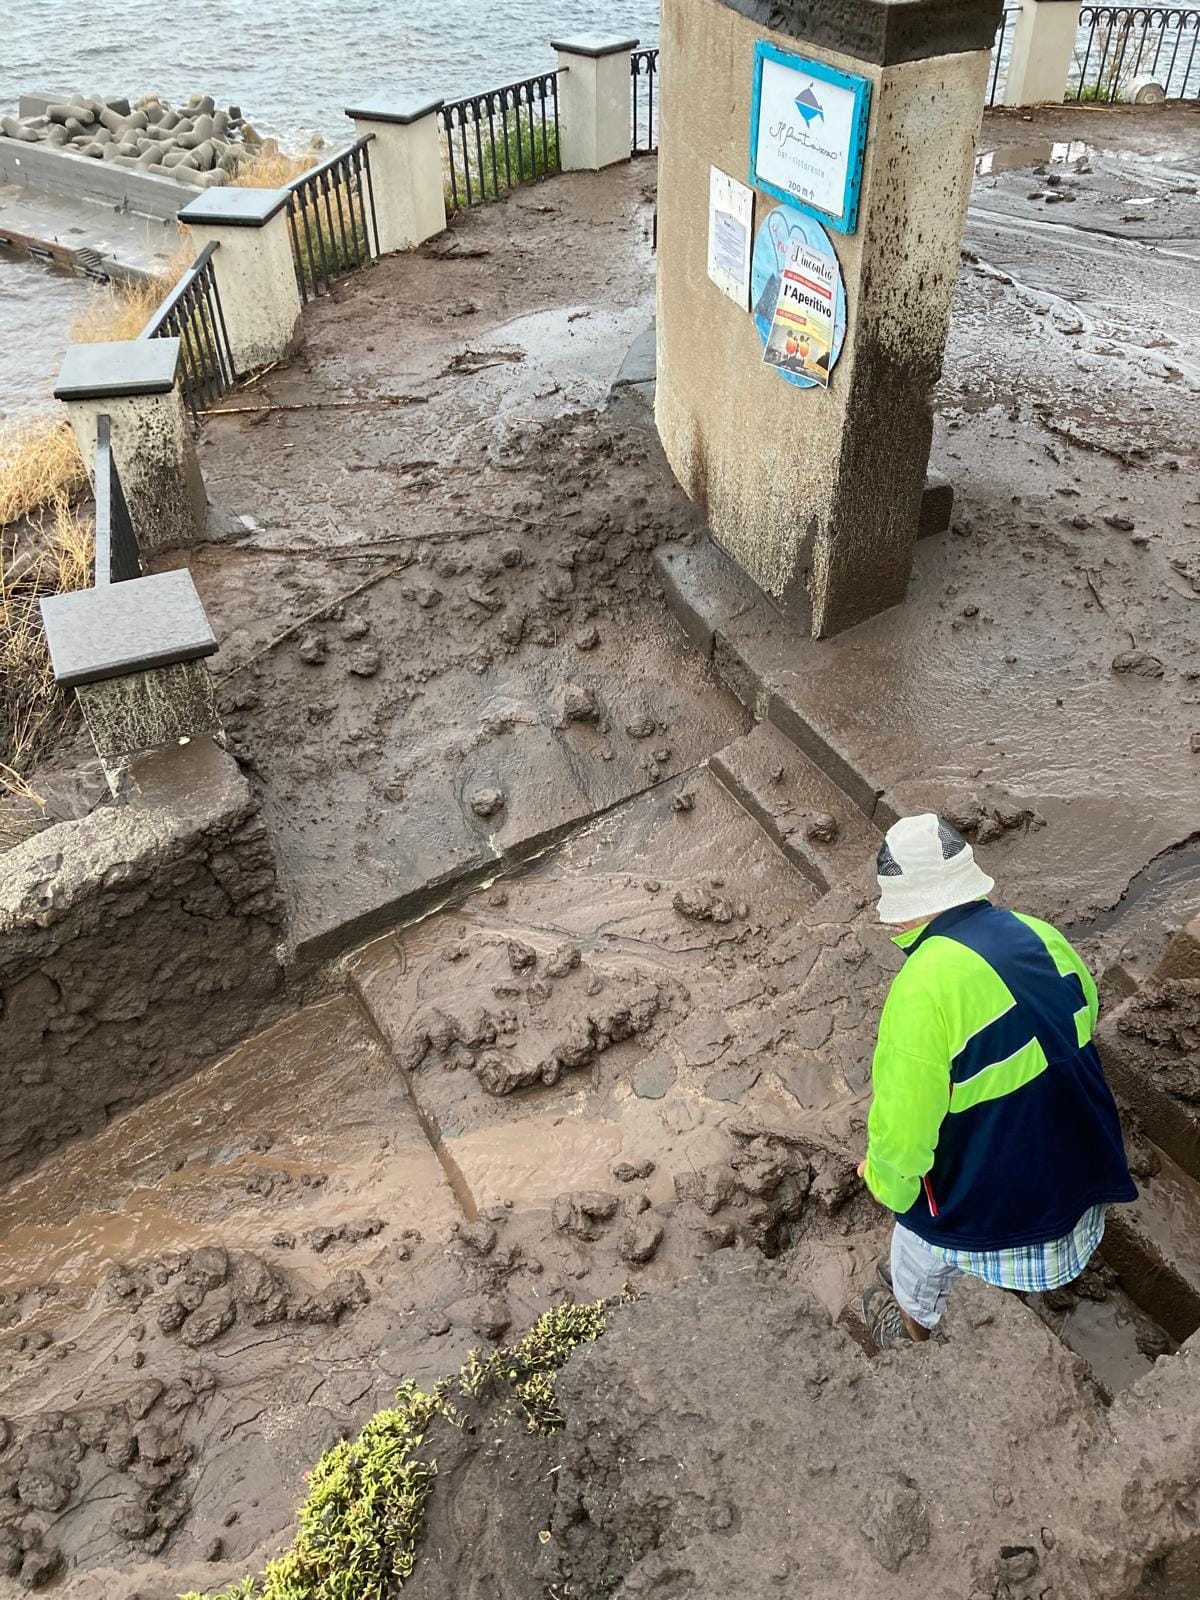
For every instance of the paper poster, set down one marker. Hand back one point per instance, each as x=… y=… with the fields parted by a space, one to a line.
x=730 y=229
x=808 y=134
x=799 y=299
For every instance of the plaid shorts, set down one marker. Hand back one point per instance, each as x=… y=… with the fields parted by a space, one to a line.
x=923 y=1274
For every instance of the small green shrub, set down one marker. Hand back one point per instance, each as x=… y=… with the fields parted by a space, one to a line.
x=359 y=1527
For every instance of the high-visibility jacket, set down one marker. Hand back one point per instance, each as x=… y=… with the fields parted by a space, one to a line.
x=992 y=1125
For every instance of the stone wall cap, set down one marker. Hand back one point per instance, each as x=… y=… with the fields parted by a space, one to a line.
x=882 y=32
x=594 y=45
x=237 y=208
x=122 y=367
x=403 y=109
x=156 y=621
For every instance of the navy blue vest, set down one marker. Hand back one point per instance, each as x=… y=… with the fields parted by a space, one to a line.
x=1021 y=1169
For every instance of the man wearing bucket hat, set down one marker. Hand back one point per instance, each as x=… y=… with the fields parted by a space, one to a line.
x=993 y=1135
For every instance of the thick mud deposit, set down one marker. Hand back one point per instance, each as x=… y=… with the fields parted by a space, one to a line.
x=584 y=976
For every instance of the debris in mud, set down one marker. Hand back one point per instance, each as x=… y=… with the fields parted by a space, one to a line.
x=314 y=649
x=683 y=801
x=702 y=905
x=587 y=638
x=468 y=362
x=365 y=663
x=1139 y=663
x=984 y=822
x=821 y=828
x=486 y=802
x=573 y=703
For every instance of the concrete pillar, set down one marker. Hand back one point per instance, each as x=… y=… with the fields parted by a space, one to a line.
x=595 y=101
x=817 y=492
x=255 y=270
x=1042 y=48
x=133 y=654
x=406 y=169
x=136 y=382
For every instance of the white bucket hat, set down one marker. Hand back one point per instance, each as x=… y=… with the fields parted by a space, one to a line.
x=925 y=867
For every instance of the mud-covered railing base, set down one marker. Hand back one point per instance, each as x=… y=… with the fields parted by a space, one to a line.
x=499 y=139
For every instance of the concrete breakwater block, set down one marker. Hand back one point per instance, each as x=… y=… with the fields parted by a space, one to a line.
x=200 y=145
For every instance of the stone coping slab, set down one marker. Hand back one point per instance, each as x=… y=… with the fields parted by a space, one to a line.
x=404 y=109
x=123 y=367
x=883 y=32
x=594 y=45
x=237 y=208
x=156 y=621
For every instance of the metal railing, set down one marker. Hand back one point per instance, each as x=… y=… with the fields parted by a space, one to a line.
x=192 y=314
x=1001 y=54
x=118 y=555
x=331 y=218
x=499 y=139
x=645 y=114
x=1119 y=44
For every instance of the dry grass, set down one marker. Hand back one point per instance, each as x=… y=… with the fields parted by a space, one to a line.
x=40 y=468
x=122 y=310
x=33 y=709
x=272 y=169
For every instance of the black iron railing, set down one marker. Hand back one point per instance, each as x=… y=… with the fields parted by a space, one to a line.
x=118 y=556
x=499 y=139
x=1119 y=44
x=1002 y=54
x=331 y=216
x=645 y=108
x=192 y=314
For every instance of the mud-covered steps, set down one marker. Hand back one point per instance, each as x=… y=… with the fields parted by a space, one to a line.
x=816 y=826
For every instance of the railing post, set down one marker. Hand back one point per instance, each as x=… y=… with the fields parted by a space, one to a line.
x=595 y=101
x=254 y=268
x=406 y=169
x=1043 y=45
x=136 y=382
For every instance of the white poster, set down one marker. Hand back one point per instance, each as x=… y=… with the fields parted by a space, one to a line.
x=730 y=230
x=808 y=135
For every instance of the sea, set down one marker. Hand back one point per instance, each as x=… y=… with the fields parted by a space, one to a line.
x=292 y=66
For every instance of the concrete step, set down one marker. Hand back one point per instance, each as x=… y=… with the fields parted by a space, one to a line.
x=818 y=827
x=1154 y=1245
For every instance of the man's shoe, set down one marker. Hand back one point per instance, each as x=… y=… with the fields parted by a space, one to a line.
x=881 y=1316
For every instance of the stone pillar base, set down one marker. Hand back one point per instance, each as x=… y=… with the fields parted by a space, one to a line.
x=595 y=102
x=135 y=382
x=1042 y=48
x=255 y=269
x=127 y=717
x=406 y=170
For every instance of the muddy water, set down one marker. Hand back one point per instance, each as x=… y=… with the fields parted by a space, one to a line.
x=1039 y=152
x=302 y=1116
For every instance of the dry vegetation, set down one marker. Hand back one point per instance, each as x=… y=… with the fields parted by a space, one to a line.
x=33 y=709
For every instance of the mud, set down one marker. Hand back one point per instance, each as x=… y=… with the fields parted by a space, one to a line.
x=601 y=1015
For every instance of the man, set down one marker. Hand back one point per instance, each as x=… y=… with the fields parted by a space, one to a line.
x=993 y=1135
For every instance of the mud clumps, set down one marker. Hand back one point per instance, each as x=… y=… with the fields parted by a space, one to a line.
x=1138 y=664
x=199 y=1297
x=985 y=821
x=704 y=905
x=556 y=1014
x=896 y=1524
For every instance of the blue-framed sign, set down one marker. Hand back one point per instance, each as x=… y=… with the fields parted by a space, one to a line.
x=808 y=131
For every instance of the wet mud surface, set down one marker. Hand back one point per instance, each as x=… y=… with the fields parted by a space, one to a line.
x=636 y=1047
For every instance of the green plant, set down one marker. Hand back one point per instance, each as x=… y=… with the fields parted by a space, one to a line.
x=523 y=153
x=359 y=1526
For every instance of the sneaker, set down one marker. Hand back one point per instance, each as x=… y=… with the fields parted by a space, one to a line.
x=881 y=1316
